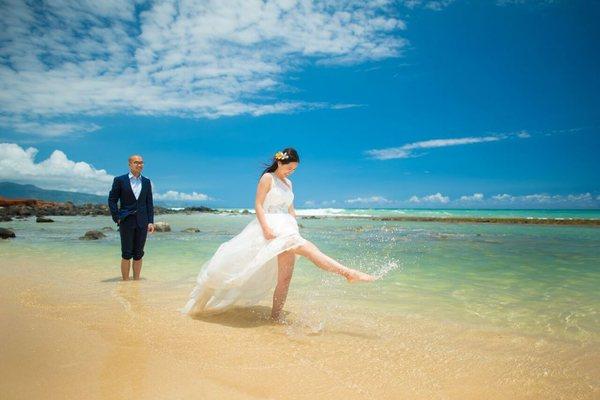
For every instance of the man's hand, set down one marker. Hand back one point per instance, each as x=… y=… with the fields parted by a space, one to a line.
x=151 y=228
x=118 y=222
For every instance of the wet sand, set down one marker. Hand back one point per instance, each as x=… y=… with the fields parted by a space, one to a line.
x=88 y=335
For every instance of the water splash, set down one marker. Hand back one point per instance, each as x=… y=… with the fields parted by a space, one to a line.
x=391 y=265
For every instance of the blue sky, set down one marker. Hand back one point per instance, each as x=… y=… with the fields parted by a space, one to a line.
x=391 y=104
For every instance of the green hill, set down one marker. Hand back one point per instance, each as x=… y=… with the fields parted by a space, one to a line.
x=18 y=191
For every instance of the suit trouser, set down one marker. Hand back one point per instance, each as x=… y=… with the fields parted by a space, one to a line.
x=133 y=239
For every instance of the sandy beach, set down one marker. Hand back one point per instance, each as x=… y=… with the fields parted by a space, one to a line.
x=75 y=331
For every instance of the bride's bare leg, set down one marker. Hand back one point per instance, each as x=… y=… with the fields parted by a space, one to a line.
x=321 y=260
x=285 y=269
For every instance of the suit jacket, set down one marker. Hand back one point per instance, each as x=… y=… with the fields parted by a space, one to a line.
x=131 y=211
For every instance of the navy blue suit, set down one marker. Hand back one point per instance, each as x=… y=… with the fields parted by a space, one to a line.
x=133 y=215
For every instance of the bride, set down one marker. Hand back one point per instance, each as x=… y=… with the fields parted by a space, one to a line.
x=244 y=269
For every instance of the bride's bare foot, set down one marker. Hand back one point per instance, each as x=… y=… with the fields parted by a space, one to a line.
x=353 y=276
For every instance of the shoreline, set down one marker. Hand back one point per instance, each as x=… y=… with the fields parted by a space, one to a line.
x=449 y=220
x=25 y=208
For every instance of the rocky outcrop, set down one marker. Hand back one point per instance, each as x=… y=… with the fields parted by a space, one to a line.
x=30 y=207
x=43 y=219
x=6 y=233
x=23 y=208
x=162 y=227
x=199 y=209
x=93 y=235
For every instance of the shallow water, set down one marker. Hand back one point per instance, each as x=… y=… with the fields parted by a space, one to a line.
x=453 y=212
x=534 y=280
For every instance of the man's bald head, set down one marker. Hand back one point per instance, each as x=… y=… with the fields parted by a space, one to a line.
x=136 y=164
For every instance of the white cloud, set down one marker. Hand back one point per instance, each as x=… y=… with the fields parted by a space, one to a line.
x=183 y=58
x=474 y=197
x=407 y=150
x=56 y=172
x=535 y=200
x=318 y=204
x=18 y=165
x=503 y=197
x=176 y=196
x=369 y=200
x=432 y=198
x=546 y=199
x=438 y=5
x=528 y=2
x=46 y=129
x=435 y=5
x=580 y=197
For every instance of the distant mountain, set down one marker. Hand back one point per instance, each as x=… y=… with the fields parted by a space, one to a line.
x=18 y=191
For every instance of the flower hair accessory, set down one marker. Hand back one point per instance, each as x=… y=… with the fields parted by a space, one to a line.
x=281 y=156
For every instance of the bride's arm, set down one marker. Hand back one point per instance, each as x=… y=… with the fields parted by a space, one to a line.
x=264 y=184
x=292 y=210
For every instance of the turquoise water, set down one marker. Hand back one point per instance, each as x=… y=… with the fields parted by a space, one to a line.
x=497 y=213
x=538 y=280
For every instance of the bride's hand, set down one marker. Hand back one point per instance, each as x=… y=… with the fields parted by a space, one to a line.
x=268 y=234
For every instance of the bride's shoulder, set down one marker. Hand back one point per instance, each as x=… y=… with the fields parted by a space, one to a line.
x=266 y=178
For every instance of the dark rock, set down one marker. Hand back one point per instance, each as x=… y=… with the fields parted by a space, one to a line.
x=6 y=233
x=24 y=211
x=199 y=209
x=43 y=219
x=92 y=235
x=162 y=227
x=191 y=230
x=29 y=207
x=5 y=218
x=245 y=212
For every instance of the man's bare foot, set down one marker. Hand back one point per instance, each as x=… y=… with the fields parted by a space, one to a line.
x=353 y=276
x=278 y=319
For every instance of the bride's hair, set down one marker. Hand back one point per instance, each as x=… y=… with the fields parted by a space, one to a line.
x=289 y=155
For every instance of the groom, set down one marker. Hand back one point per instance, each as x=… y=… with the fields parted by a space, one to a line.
x=135 y=214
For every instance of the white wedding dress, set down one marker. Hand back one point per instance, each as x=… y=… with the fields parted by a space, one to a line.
x=243 y=270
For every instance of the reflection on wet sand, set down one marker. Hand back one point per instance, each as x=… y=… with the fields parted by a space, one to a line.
x=123 y=373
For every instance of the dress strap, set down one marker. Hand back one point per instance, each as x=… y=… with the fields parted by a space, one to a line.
x=272 y=179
